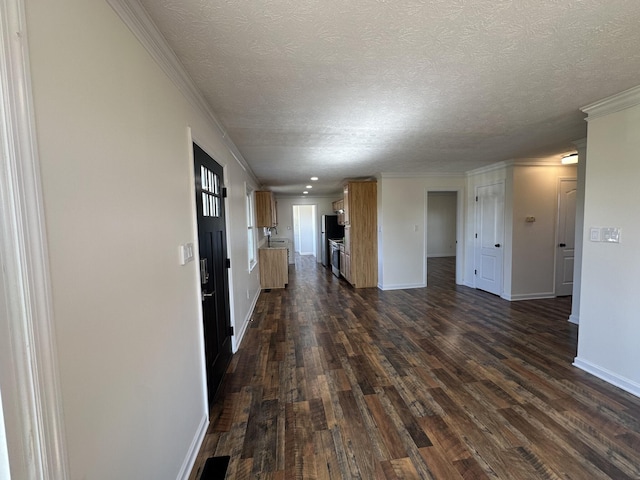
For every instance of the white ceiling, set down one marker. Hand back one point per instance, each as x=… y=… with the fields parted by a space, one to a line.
x=351 y=88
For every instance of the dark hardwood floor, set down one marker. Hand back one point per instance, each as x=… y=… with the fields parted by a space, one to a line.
x=444 y=382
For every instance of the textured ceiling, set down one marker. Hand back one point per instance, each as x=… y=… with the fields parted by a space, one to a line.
x=343 y=89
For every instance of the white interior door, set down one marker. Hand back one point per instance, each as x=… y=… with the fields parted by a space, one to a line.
x=565 y=245
x=489 y=237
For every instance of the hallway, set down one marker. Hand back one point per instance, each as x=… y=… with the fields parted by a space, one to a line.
x=445 y=382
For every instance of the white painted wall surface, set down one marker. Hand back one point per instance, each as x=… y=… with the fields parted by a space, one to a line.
x=535 y=194
x=581 y=170
x=609 y=333
x=305 y=229
x=402 y=216
x=4 y=454
x=529 y=248
x=115 y=153
x=285 y=214
x=441 y=224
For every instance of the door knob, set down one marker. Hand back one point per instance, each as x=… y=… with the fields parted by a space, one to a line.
x=562 y=245
x=497 y=245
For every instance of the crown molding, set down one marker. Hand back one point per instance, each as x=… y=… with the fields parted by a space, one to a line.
x=421 y=175
x=521 y=162
x=581 y=143
x=614 y=103
x=135 y=17
x=486 y=169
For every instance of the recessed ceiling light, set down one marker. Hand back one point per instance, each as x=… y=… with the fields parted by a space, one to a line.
x=305 y=192
x=309 y=186
x=313 y=179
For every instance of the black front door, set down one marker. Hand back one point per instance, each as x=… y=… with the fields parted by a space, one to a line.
x=213 y=267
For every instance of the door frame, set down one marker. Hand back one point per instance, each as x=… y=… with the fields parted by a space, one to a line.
x=476 y=260
x=459 y=231
x=557 y=255
x=316 y=232
x=31 y=399
x=194 y=138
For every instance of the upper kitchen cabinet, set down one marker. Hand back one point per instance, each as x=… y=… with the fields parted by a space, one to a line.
x=338 y=207
x=265 y=209
x=361 y=234
x=345 y=202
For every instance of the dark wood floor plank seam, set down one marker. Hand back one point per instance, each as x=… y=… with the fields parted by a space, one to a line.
x=444 y=382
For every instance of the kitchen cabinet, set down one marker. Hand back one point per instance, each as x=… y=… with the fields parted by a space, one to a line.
x=274 y=267
x=265 y=209
x=345 y=201
x=338 y=207
x=345 y=263
x=361 y=234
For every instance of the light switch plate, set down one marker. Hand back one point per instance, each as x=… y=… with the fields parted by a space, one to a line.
x=186 y=253
x=611 y=234
x=594 y=234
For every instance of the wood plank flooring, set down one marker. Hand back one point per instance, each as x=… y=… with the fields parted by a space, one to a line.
x=444 y=382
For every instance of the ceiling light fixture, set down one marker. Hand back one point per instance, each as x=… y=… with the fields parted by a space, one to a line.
x=305 y=192
x=309 y=186
x=313 y=179
x=570 y=159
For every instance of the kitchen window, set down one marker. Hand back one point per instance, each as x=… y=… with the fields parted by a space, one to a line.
x=251 y=229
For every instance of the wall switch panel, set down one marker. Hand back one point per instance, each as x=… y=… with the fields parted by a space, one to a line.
x=594 y=234
x=610 y=234
x=186 y=253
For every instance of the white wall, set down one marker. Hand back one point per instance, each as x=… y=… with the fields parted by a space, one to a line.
x=402 y=220
x=115 y=150
x=285 y=214
x=577 y=265
x=609 y=333
x=531 y=189
x=441 y=224
x=4 y=455
x=305 y=229
x=535 y=194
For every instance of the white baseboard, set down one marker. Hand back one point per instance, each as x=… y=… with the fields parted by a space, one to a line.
x=574 y=319
x=468 y=284
x=608 y=376
x=194 y=448
x=237 y=340
x=440 y=255
x=402 y=286
x=528 y=296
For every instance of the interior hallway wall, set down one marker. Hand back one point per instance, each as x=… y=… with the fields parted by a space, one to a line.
x=285 y=214
x=117 y=175
x=441 y=224
x=609 y=332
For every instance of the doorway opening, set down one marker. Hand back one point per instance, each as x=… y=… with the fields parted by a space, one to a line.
x=443 y=245
x=305 y=230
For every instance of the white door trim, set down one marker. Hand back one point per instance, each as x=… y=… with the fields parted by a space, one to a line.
x=559 y=254
x=459 y=231
x=29 y=380
x=499 y=286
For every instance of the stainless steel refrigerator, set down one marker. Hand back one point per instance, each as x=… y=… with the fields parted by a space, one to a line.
x=330 y=230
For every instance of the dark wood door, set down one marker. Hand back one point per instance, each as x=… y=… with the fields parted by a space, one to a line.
x=213 y=267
